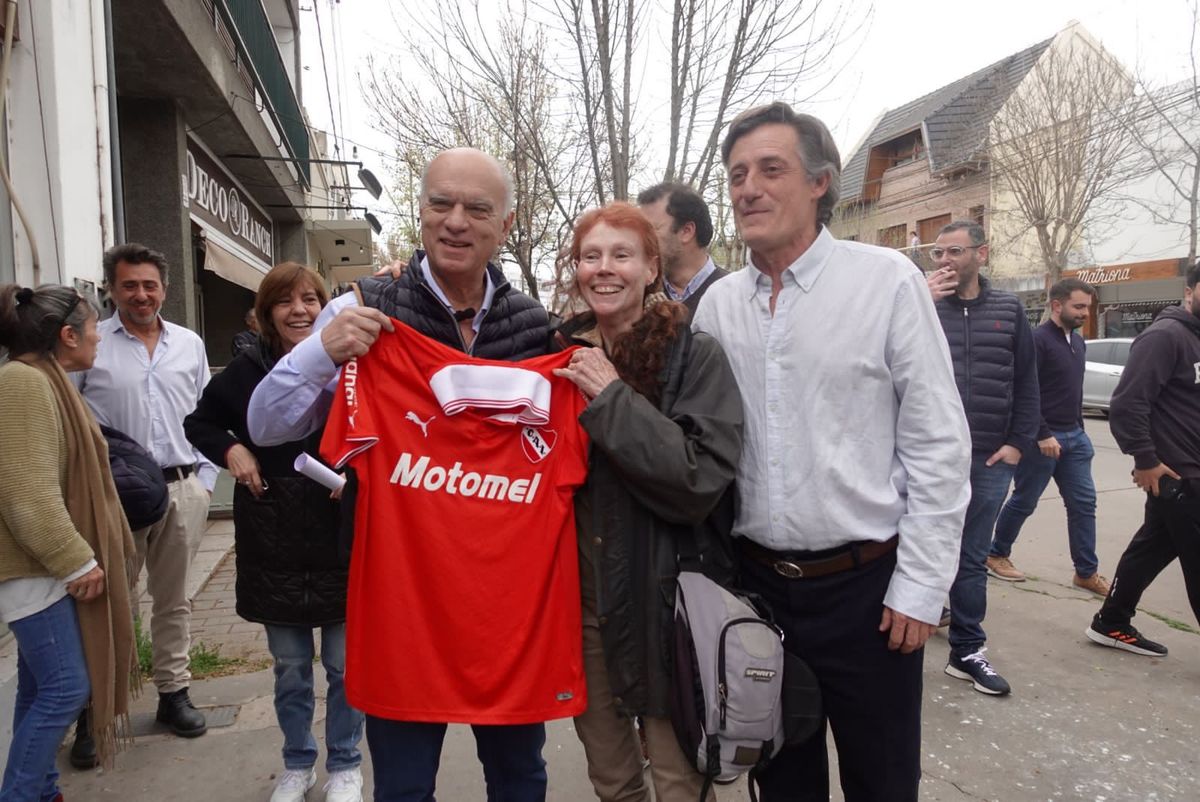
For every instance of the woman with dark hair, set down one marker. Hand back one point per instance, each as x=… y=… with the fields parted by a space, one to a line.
x=65 y=546
x=291 y=575
x=665 y=422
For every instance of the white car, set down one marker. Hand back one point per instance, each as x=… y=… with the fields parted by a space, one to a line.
x=1105 y=362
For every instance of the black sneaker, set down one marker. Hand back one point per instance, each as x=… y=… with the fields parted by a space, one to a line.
x=177 y=712
x=975 y=667
x=1123 y=637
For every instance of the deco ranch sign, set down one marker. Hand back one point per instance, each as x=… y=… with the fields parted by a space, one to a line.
x=214 y=200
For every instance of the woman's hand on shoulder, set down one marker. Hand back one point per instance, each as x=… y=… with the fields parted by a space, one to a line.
x=591 y=371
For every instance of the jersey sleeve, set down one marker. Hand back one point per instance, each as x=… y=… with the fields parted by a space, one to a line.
x=569 y=404
x=350 y=428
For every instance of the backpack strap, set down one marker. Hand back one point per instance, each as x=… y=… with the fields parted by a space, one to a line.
x=764 y=757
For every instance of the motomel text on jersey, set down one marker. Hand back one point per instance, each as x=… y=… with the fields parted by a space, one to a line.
x=457 y=482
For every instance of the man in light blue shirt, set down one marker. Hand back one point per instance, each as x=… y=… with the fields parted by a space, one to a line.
x=853 y=478
x=147 y=378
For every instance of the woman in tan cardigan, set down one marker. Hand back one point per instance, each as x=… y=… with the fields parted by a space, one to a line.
x=64 y=542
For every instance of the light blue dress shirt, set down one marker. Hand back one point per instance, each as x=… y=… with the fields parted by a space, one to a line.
x=147 y=397
x=854 y=426
x=293 y=400
x=693 y=285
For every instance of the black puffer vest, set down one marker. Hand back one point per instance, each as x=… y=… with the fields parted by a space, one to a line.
x=515 y=327
x=982 y=335
x=290 y=569
x=140 y=483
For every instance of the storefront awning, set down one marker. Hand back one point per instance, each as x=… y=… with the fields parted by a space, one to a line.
x=231 y=267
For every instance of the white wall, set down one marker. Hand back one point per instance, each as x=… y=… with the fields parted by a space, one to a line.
x=1154 y=221
x=58 y=139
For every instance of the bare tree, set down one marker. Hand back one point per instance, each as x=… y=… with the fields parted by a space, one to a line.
x=490 y=90
x=552 y=88
x=728 y=55
x=1166 y=127
x=1060 y=150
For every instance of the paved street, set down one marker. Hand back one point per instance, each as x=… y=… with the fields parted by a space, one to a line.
x=1083 y=723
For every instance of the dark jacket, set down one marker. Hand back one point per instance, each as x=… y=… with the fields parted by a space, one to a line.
x=514 y=328
x=1155 y=411
x=692 y=302
x=655 y=478
x=140 y=483
x=995 y=368
x=1061 y=366
x=290 y=570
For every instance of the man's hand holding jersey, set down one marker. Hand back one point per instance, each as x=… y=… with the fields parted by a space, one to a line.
x=352 y=332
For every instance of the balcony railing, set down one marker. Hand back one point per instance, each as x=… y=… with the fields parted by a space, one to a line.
x=257 y=50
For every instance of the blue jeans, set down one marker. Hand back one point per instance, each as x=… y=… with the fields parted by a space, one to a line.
x=1072 y=472
x=52 y=687
x=405 y=756
x=293 y=650
x=968 y=594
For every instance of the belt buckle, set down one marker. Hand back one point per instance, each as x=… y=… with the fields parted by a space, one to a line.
x=787 y=570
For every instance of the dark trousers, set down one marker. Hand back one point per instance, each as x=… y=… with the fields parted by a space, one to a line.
x=1171 y=529
x=871 y=696
x=405 y=757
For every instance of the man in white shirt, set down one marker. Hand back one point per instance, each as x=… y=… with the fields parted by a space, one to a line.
x=147 y=378
x=684 y=226
x=853 y=478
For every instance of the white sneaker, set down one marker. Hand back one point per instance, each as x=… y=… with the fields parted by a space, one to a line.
x=293 y=784
x=344 y=786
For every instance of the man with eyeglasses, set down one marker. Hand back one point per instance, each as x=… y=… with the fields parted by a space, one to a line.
x=1064 y=449
x=991 y=346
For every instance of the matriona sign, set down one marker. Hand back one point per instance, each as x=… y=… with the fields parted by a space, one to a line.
x=214 y=200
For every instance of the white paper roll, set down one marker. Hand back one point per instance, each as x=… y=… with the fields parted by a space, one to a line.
x=313 y=469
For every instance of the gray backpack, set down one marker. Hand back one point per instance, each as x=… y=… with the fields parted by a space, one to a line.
x=727 y=695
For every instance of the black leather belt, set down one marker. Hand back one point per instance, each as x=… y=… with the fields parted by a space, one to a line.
x=791 y=565
x=177 y=472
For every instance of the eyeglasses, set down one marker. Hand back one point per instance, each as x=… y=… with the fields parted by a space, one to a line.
x=954 y=250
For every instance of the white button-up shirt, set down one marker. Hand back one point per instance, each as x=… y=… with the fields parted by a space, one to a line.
x=854 y=426
x=147 y=397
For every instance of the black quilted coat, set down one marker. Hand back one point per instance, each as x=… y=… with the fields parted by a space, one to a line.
x=140 y=483
x=290 y=570
x=515 y=327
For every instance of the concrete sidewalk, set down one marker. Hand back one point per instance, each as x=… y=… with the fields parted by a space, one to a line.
x=1083 y=722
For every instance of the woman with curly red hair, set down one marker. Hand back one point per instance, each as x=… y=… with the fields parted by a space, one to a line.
x=665 y=422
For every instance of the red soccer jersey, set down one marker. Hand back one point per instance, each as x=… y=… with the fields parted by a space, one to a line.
x=463 y=604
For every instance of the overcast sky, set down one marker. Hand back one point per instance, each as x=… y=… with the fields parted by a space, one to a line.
x=906 y=50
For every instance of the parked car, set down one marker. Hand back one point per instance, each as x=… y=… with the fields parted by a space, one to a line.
x=1105 y=362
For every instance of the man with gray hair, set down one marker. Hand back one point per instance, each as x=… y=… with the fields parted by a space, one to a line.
x=853 y=480
x=452 y=293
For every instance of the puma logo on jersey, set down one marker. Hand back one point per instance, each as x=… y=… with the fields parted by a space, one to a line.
x=457 y=482
x=424 y=424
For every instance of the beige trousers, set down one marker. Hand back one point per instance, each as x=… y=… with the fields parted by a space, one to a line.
x=166 y=550
x=614 y=753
